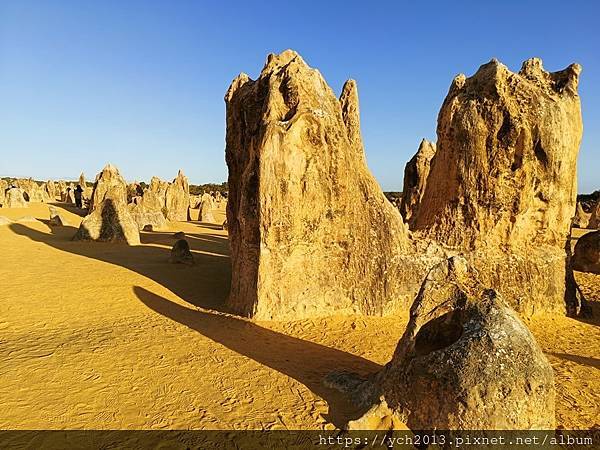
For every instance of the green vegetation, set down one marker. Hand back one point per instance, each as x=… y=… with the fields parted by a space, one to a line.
x=198 y=189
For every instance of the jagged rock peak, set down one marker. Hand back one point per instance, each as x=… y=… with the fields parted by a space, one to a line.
x=351 y=113
x=496 y=76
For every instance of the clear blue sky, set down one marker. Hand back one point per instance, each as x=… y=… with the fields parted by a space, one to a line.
x=141 y=84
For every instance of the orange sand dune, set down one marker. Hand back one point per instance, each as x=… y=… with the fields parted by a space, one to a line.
x=104 y=336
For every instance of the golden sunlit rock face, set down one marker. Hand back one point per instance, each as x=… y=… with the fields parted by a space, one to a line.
x=502 y=183
x=177 y=199
x=460 y=309
x=311 y=231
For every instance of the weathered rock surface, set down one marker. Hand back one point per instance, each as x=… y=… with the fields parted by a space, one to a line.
x=3 y=189
x=310 y=230
x=109 y=219
x=415 y=177
x=109 y=184
x=146 y=219
x=181 y=254
x=61 y=188
x=32 y=192
x=205 y=211
x=57 y=219
x=68 y=195
x=195 y=201
x=154 y=195
x=134 y=190
x=177 y=199
x=465 y=361
x=581 y=219
x=52 y=190
x=502 y=184
x=586 y=256
x=14 y=199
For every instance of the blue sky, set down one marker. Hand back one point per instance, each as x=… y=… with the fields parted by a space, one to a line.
x=141 y=84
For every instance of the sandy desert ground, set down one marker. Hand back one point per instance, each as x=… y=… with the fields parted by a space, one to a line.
x=106 y=336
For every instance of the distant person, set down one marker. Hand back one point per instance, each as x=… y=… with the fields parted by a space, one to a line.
x=79 y=196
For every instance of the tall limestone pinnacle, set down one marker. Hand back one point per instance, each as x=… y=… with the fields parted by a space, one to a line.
x=311 y=231
x=502 y=183
x=177 y=199
x=415 y=177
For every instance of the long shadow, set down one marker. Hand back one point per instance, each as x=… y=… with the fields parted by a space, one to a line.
x=583 y=360
x=305 y=361
x=593 y=318
x=206 y=284
x=81 y=212
x=212 y=226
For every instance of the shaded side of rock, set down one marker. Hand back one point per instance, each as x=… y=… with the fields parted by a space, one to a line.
x=594 y=222
x=109 y=219
x=581 y=219
x=586 y=255
x=181 y=254
x=109 y=222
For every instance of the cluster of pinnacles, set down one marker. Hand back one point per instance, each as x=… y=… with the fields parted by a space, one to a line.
x=488 y=211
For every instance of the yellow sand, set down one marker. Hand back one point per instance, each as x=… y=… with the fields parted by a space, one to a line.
x=105 y=336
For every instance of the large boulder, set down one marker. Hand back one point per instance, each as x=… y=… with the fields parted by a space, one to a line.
x=109 y=219
x=502 y=184
x=311 y=232
x=14 y=198
x=181 y=253
x=464 y=362
x=415 y=177
x=177 y=199
x=586 y=256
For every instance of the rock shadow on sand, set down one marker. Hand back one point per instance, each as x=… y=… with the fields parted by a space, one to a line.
x=304 y=361
x=206 y=284
x=583 y=360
